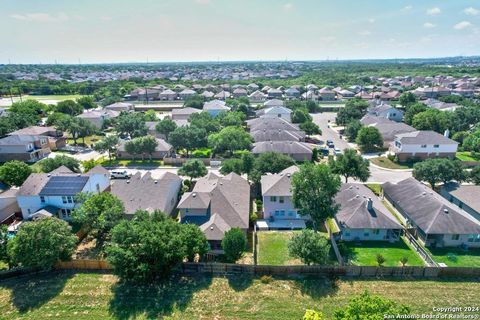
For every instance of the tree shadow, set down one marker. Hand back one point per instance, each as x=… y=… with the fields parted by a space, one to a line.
x=32 y=291
x=155 y=300
x=239 y=282
x=317 y=287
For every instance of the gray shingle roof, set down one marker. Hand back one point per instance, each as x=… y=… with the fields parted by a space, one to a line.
x=354 y=213
x=468 y=194
x=285 y=147
x=387 y=128
x=430 y=212
x=424 y=137
x=271 y=123
x=276 y=135
x=279 y=184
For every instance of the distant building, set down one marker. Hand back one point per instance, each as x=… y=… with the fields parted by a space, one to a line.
x=98 y=117
x=275 y=112
x=386 y=111
x=121 y=106
x=214 y=107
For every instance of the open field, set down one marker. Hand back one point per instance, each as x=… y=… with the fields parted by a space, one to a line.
x=454 y=257
x=384 y=162
x=365 y=253
x=47 y=99
x=68 y=295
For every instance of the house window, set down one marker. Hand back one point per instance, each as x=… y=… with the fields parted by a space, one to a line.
x=478 y=238
x=376 y=231
x=436 y=146
x=281 y=199
x=347 y=233
x=65 y=213
x=366 y=232
x=291 y=213
x=67 y=199
x=42 y=199
x=98 y=187
x=423 y=146
x=64 y=199
x=471 y=238
x=455 y=236
x=273 y=199
x=282 y=213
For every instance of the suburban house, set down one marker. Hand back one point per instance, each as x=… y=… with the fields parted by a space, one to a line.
x=162 y=150
x=121 y=106
x=299 y=151
x=362 y=216
x=146 y=193
x=167 y=95
x=423 y=145
x=181 y=116
x=8 y=203
x=257 y=96
x=430 y=217
x=275 y=112
x=386 y=111
x=440 y=105
x=273 y=93
x=240 y=92
x=56 y=191
x=222 y=95
x=273 y=103
x=345 y=94
x=292 y=93
x=186 y=93
x=217 y=204
x=98 y=117
x=214 y=107
x=55 y=140
x=327 y=94
x=387 y=128
x=274 y=123
x=277 y=135
x=278 y=209
x=467 y=197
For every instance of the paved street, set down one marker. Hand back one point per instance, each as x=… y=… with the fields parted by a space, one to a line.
x=321 y=119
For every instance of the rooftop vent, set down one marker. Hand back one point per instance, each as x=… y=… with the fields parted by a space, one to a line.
x=156 y=181
x=128 y=181
x=194 y=194
x=445 y=210
x=289 y=175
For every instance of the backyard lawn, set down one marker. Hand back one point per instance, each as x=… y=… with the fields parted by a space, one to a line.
x=384 y=162
x=454 y=257
x=81 y=296
x=467 y=156
x=365 y=253
x=273 y=248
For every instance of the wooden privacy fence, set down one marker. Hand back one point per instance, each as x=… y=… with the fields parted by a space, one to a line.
x=190 y=268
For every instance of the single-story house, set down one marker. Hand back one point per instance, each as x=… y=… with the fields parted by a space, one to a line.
x=214 y=107
x=98 y=117
x=363 y=217
x=8 y=203
x=163 y=149
x=277 y=135
x=431 y=218
x=275 y=112
x=466 y=197
x=121 y=106
x=299 y=151
x=167 y=95
x=273 y=103
x=387 y=128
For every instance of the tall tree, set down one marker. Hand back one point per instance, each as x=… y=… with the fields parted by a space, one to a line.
x=234 y=244
x=50 y=164
x=69 y=107
x=432 y=119
x=203 y=120
x=313 y=190
x=109 y=145
x=310 y=247
x=310 y=128
x=193 y=168
x=41 y=243
x=407 y=98
x=350 y=164
x=351 y=129
x=230 y=139
x=188 y=138
x=131 y=125
x=301 y=115
x=134 y=147
x=269 y=162
x=165 y=126
x=14 y=173
x=149 y=145
x=86 y=102
x=434 y=171
x=412 y=110
x=195 y=242
x=369 y=139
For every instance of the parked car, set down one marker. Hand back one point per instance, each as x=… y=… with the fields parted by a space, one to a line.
x=119 y=174
x=324 y=151
x=337 y=151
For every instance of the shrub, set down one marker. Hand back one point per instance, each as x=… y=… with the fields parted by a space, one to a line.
x=452 y=257
x=234 y=244
x=391 y=157
x=201 y=153
x=266 y=279
x=380 y=259
x=404 y=261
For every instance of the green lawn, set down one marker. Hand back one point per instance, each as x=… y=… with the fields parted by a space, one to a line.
x=375 y=187
x=454 y=257
x=54 y=97
x=273 y=248
x=384 y=162
x=365 y=253
x=467 y=156
x=81 y=296
x=90 y=140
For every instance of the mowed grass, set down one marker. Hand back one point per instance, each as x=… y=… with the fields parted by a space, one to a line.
x=467 y=156
x=67 y=295
x=384 y=162
x=365 y=253
x=54 y=97
x=273 y=248
x=455 y=257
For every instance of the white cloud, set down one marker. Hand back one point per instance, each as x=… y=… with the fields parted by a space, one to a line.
x=471 y=11
x=462 y=25
x=434 y=11
x=40 y=17
x=371 y=20
x=203 y=2
x=288 y=6
x=364 y=33
x=429 y=25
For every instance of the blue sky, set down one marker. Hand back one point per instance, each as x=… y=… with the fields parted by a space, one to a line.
x=33 y=31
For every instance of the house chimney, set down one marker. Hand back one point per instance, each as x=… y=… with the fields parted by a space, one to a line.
x=446 y=134
x=370 y=204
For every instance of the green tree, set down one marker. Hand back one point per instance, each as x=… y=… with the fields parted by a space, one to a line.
x=86 y=102
x=50 y=164
x=4 y=238
x=312 y=315
x=193 y=169
x=351 y=129
x=195 y=242
x=14 y=173
x=312 y=106
x=380 y=259
x=310 y=128
x=131 y=125
x=99 y=212
x=412 y=110
x=109 y=145
x=234 y=244
x=231 y=118
x=188 y=138
x=230 y=139
x=443 y=170
x=354 y=110
x=368 y=307
x=203 y=120
x=350 y=164
x=432 y=119
x=313 y=190
x=85 y=129
x=232 y=165
x=150 y=115
x=310 y=247
x=134 y=147
x=149 y=145
x=407 y=98
x=475 y=175
x=146 y=248
x=69 y=107
x=301 y=115
x=269 y=162
x=472 y=142
x=165 y=126
x=248 y=162
x=369 y=139
x=41 y=243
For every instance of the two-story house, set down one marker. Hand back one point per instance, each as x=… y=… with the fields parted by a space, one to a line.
x=214 y=107
x=278 y=209
x=56 y=190
x=423 y=145
x=217 y=204
x=386 y=111
x=24 y=148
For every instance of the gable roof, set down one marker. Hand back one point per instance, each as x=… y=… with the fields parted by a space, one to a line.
x=424 y=137
x=278 y=184
x=64 y=185
x=33 y=131
x=274 y=103
x=215 y=105
x=354 y=213
x=273 y=110
x=184 y=111
x=276 y=135
x=468 y=194
x=285 y=147
x=271 y=124
x=387 y=128
x=428 y=210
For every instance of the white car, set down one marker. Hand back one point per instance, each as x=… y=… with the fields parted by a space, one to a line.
x=119 y=174
x=337 y=151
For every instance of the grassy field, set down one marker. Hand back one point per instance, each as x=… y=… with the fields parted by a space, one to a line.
x=365 y=253
x=454 y=257
x=54 y=97
x=467 y=156
x=273 y=248
x=100 y=296
x=384 y=162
